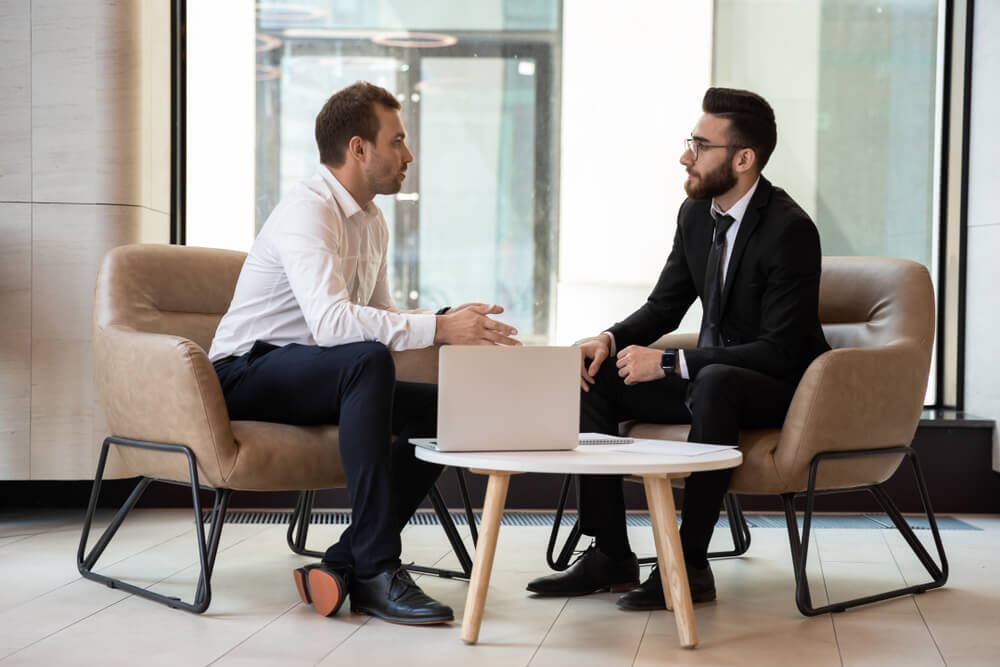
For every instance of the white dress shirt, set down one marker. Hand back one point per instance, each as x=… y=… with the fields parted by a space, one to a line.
x=737 y=211
x=316 y=275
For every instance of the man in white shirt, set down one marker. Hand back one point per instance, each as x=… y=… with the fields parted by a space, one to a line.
x=752 y=256
x=307 y=340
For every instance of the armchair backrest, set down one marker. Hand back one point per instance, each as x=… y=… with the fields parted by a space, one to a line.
x=156 y=308
x=167 y=289
x=868 y=392
x=876 y=301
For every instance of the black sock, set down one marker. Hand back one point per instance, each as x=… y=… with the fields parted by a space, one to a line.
x=614 y=547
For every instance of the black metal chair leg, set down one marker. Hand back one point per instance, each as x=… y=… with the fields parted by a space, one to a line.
x=207 y=548
x=561 y=562
x=218 y=517
x=298 y=530
x=737 y=525
x=451 y=531
x=738 y=528
x=800 y=548
x=470 y=516
x=298 y=525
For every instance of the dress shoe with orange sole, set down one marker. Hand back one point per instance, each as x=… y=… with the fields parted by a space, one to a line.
x=322 y=587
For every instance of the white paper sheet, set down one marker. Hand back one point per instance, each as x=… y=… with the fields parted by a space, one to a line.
x=670 y=448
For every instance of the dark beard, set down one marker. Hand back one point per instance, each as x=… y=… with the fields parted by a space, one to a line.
x=712 y=184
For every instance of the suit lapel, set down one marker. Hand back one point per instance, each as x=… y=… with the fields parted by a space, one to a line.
x=761 y=196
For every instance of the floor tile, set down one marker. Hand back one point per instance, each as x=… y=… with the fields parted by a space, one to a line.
x=49 y=615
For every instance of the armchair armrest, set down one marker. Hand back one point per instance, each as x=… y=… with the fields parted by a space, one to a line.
x=162 y=388
x=852 y=399
x=681 y=341
x=417 y=365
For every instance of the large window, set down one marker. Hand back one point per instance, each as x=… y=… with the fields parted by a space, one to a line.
x=547 y=133
x=856 y=87
x=480 y=97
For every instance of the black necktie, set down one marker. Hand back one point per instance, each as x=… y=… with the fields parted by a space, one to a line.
x=709 y=334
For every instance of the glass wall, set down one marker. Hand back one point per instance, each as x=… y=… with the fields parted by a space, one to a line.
x=855 y=86
x=547 y=133
x=479 y=87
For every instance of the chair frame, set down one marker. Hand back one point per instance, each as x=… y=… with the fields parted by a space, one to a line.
x=800 y=545
x=298 y=530
x=738 y=528
x=208 y=547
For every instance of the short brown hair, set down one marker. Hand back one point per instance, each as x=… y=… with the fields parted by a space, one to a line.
x=751 y=119
x=350 y=113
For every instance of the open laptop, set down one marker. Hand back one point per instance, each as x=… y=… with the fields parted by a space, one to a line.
x=494 y=398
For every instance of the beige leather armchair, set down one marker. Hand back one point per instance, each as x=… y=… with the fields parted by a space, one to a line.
x=156 y=309
x=854 y=413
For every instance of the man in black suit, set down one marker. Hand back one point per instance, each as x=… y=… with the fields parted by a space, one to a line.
x=752 y=256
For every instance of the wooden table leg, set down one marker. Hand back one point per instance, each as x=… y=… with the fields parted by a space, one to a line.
x=673 y=574
x=482 y=564
x=663 y=556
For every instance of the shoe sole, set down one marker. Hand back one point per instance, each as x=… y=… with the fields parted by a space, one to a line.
x=403 y=621
x=323 y=589
x=301 y=576
x=612 y=588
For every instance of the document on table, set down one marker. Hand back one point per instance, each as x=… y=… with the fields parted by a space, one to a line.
x=670 y=448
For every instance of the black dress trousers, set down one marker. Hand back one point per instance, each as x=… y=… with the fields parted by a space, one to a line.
x=719 y=402
x=355 y=386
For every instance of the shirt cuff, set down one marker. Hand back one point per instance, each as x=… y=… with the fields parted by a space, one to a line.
x=424 y=327
x=683 y=364
x=613 y=351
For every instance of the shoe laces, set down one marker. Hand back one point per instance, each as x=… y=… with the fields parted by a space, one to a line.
x=401 y=582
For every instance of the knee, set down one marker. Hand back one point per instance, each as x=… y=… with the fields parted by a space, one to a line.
x=375 y=362
x=712 y=385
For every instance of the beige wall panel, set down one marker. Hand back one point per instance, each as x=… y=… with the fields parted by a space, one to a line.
x=156 y=105
x=86 y=89
x=62 y=411
x=15 y=340
x=159 y=78
x=68 y=244
x=15 y=101
x=155 y=227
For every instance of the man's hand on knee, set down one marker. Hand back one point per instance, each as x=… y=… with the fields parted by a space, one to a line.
x=596 y=350
x=639 y=364
x=469 y=325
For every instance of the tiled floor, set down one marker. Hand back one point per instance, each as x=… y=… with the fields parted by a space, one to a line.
x=50 y=616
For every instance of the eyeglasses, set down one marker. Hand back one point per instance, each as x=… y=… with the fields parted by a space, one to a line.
x=696 y=146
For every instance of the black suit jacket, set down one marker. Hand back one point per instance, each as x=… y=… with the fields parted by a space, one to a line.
x=769 y=310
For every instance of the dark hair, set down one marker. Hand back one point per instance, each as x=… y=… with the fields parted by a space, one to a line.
x=751 y=119
x=349 y=113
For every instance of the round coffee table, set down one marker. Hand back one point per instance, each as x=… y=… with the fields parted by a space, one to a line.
x=656 y=471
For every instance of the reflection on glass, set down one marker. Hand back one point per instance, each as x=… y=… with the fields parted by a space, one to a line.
x=475 y=217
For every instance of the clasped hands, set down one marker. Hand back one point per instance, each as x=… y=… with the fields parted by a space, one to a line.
x=635 y=364
x=469 y=324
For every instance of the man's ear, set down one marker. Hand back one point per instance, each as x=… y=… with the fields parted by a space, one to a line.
x=356 y=148
x=744 y=160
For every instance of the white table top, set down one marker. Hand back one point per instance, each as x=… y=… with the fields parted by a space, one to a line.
x=585 y=460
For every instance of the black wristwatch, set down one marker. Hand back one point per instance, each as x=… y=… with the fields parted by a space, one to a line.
x=668 y=362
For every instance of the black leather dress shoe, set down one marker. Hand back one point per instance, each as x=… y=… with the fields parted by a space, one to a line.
x=393 y=596
x=592 y=572
x=650 y=594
